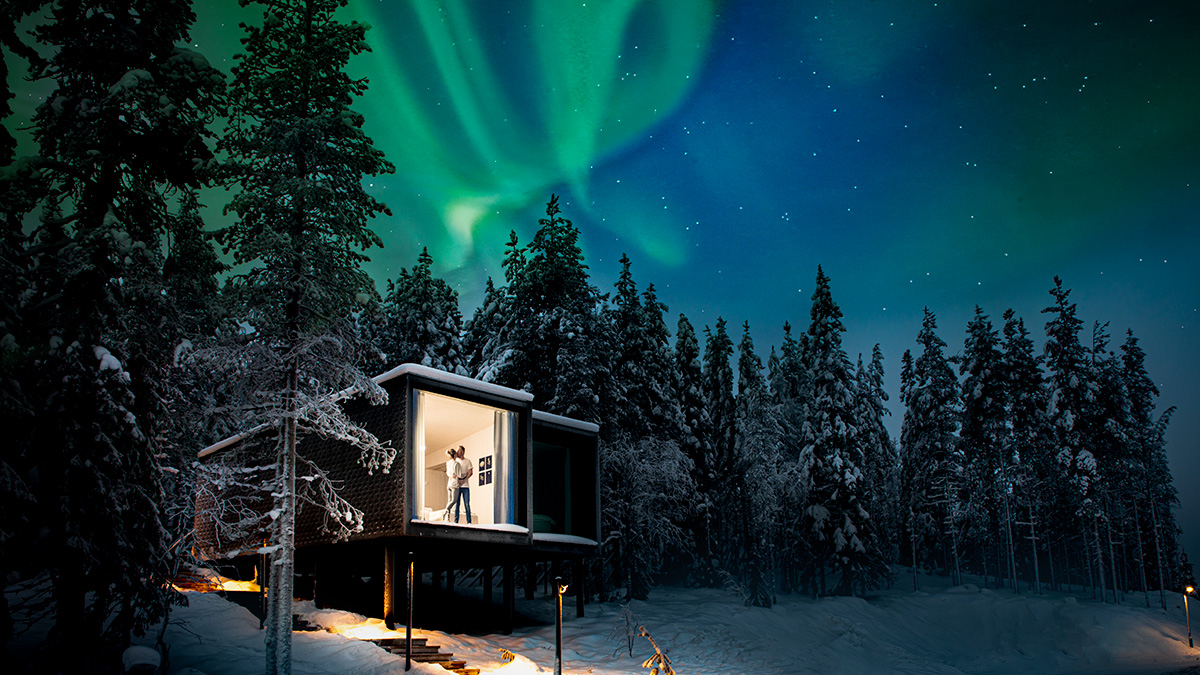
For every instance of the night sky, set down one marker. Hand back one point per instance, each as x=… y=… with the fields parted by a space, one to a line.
x=926 y=154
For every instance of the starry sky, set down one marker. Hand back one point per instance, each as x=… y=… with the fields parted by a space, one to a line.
x=927 y=154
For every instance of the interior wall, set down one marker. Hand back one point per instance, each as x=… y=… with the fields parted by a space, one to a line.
x=477 y=446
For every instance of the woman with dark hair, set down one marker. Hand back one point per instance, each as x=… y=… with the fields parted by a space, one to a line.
x=452 y=467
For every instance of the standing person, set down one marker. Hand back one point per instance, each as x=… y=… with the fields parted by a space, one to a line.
x=452 y=467
x=466 y=469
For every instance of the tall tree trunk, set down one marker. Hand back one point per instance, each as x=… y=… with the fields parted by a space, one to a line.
x=1033 y=540
x=912 y=519
x=1008 y=536
x=1050 y=563
x=279 y=621
x=1158 y=556
x=1112 y=561
x=1141 y=555
x=1099 y=561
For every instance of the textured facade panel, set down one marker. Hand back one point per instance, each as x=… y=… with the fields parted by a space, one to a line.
x=380 y=496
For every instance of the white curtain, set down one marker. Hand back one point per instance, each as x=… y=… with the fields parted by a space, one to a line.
x=418 y=472
x=504 y=475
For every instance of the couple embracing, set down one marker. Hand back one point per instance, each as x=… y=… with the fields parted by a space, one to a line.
x=459 y=470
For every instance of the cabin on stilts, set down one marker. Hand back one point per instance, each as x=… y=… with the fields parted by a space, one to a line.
x=534 y=504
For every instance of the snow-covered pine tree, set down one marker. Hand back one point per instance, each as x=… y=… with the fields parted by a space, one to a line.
x=122 y=132
x=1072 y=413
x=696 y=444
x=482 y=334
x=190 y=272
x=981 y=437
x=551 y=341
x=790 y=385
x=881 y=462
x=1112 y=449
x=419 y=321
x=1026 y=441
x=832 y=458
x=767 y=476
x=1152 y=476
x=300 y=157
x=932 y=462
x=643 y=424
x=720 y=465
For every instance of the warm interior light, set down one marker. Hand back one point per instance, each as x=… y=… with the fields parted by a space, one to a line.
x=208 y=581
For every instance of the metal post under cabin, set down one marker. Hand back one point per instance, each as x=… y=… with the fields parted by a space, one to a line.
x=580 y=588
x=510 y=596
x=530 y=580
x=408 y=624
x=389 y=585
x=487 y=585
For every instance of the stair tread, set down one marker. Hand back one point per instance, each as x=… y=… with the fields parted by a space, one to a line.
x=391 y=641
x=431 y=658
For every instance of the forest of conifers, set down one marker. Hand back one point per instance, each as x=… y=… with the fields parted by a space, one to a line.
x=134 y=334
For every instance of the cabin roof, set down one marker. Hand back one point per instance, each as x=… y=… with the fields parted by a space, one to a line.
x=568 y=422
x=451 y=378
x=429 y=374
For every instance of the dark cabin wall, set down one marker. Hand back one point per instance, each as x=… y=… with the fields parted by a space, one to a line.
x=380 y=496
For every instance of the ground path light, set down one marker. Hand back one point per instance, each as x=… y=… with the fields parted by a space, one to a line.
x=559 y=589
x=1187 y=614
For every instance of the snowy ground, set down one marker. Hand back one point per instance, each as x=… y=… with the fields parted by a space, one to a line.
x=940 y=630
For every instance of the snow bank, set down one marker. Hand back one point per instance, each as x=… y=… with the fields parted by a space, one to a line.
x=941 y=630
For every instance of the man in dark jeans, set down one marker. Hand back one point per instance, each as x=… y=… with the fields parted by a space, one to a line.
x=466 y=469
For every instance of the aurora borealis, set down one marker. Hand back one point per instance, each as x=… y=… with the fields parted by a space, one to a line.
x=925 y=153
x=940 y=154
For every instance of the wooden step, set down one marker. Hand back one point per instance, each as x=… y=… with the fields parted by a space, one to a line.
x=423 y=652
x=416 y=649
x=393 y=642
x=433 y=658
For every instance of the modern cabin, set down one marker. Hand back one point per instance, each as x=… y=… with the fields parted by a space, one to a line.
x=534 y=495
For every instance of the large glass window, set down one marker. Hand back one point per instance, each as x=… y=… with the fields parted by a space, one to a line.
x=488 y=437
x=564 y=483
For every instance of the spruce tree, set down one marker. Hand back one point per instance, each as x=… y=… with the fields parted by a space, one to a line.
x=1150 y=472
x=483 y=334
x=720 y=475
x=1072 y=416
x=831 y=462
x=419 y=321
x=696 y=444
x=763 y=473
x=981 y=438
x=1027 y=443
x=881 y=463
x=550 y=340
x=929 y=450
x=300 y=232
x=88 y=328
x=641 y=434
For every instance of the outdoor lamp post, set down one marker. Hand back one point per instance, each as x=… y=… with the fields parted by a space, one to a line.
x=559 y=589
x=1187 y=614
